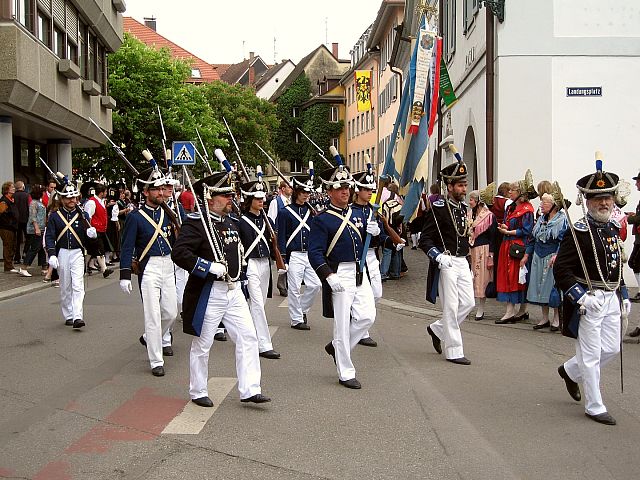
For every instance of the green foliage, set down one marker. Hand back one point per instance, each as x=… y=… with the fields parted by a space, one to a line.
x=284 y=142
x=318 y=126
x=251 y=119
x=141 y=79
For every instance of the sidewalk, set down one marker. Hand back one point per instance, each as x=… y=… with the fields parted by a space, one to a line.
x=14 y=285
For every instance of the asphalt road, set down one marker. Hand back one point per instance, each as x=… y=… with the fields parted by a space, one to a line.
x=83 y=404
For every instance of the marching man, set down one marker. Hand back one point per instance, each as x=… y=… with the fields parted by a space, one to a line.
x=293 y=241
x=147 y=238
x=588 y=269
x=335 y=248
x=256 y=241
x=209 y=248
x=66 y=239
x=445 y=240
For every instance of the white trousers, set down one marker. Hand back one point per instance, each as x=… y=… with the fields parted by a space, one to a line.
x=374 y=272
x=597 y=344
x=354 y=311
x=456 y=294
x=159 y=305
x=230 y=306
x=299 y=270
x=181 y=281
x=258 y=273
x=71 y=272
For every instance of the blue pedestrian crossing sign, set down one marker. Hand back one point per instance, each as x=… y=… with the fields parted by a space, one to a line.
x=183 y=153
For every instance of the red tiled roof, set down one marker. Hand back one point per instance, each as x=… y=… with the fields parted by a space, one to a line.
x=150 y=37
x=221 y=68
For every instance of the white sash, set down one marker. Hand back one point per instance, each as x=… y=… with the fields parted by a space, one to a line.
x=260 y=237
x=302 y=223
x=69 y=226
x=158 y=232
x=346 y=220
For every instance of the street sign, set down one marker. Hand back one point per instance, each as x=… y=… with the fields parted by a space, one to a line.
x=584 y=91
x=183 y=153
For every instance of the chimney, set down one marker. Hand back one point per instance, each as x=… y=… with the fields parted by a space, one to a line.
x=150 y=22
x=251 y=55
x=334 y=50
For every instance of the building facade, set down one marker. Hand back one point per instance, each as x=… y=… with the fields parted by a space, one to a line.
x=383 y=38
x=53 y=79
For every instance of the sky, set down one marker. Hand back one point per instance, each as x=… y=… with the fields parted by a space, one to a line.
x=226 y=31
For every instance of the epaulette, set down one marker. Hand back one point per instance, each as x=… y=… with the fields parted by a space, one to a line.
x=581 y=225
x=194 y=215
x=438 y=203
x=615 y=223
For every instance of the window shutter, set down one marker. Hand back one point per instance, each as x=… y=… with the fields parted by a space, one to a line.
x=45 y=5
x=72 y=22
x=57 y=8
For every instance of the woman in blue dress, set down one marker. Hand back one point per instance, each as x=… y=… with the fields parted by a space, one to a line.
x=542 y=247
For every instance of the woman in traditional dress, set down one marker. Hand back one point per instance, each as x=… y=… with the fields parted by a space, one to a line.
x=542 y=248
x=482 y=231
x=516 y=229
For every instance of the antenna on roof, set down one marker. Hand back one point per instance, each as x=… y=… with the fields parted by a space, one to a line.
x=275 y=55
x=244 y=57
x=326 y=30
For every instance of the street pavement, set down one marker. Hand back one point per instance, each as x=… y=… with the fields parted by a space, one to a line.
x=84 y=405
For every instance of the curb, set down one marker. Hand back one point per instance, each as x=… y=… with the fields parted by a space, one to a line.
x=24 y=290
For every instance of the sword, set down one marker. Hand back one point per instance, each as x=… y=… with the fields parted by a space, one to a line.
x=320 y=151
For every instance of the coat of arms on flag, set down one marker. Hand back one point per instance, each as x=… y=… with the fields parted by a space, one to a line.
x=363 y=90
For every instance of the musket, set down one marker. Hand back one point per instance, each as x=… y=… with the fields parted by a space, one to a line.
x=320 y=151
x=62 y=180
x=169 y=163
x=136 y=173
x=284 y=179
x=205 y=159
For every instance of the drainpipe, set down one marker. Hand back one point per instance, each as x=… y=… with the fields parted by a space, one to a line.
x=490 y=95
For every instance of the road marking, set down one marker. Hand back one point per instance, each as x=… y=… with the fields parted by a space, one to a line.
x=193 y=418
x=410 y=308
x=284 y=303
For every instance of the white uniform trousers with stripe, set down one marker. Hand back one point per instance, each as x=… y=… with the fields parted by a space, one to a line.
x=597 y=344
x=258 y=273
x=230 y=306
x=159 y=305
x=354 y=311
x=71 y=272
x=456 y=294
x=299 y=270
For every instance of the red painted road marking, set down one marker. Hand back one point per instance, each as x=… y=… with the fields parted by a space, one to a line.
x=54 y=471
x=140 y=419
x=6 y=473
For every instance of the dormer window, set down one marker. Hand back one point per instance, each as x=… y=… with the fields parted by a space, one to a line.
x=195 y=73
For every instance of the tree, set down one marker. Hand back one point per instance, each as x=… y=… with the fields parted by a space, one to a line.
x=284 y=141
x=251 y=119
x=141 y=79
x=318 y=126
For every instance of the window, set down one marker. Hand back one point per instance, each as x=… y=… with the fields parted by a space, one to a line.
x=24 y=13
x=349 y=131
x=44 y=28
x=449 y=32
x=335 y=142
x=373 y=156
x=72 y=51
x=334 y=114
x=101 y=74
x=373 y=118
x=195 y=73
x=84 y=54
x=368 y=116
x=470 y=11
x=58 y=43
x=295 y=112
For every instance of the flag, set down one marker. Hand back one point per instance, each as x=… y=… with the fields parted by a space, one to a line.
x=446 y=87
x=363 y=90
x=407 y=156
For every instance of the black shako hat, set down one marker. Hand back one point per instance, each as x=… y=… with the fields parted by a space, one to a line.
x=216 y=184
x=302 y=182
x=255 y=189
x=600 y=183
x=456 y=172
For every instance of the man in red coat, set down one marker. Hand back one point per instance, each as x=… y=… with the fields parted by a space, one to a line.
x=97 y=211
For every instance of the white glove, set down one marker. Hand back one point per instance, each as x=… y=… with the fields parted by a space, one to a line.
x=626 y=306
x=373 y=229
x=334 y=283
x=400 y=246
x=125 y=286
x=218 y=269
x=92 y=233
x=444 y=261
x=282 y=271
x=591 y=303
x=53 y=262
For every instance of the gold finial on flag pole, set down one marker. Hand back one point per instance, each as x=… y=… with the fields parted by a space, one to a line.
x=424 y=6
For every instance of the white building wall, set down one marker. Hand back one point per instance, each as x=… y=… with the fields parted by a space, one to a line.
x=274 y=82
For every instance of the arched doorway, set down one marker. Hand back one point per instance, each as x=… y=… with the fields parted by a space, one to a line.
x=470 y=158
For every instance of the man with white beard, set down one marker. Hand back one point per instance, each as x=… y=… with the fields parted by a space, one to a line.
x=591 y=278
